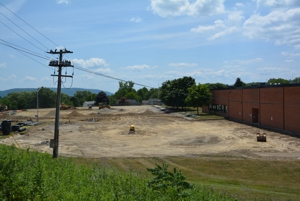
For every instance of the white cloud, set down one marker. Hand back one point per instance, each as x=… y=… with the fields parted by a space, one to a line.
x=239 y=5
x=43 y=79
x=288 y=61
x=243 y=62
x=3 y=65
x=183 y=65
x=220 y=34
x=136 y=19
x=278 y=3
x=14 y=6
x=275 y=71
x=63 y=1
x=103 y=70
x=217 y=24
x=138 y=67
x=29 y=78
x=228 y=26
x=280 y=26
x=11 y=78
x=290 y=54
x=297 y=47
x=90 y=62
x=12 y=56
x=169 y=8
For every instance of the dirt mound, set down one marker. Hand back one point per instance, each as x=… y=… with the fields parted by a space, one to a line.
x=106 y=110
x=50 y=114
x=74 y=113
x=92 y=114
x=148 y=112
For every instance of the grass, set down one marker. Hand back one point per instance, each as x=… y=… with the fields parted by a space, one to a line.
x=217 y=177
x=242 y=178
x=192 y=112
x=29 y=175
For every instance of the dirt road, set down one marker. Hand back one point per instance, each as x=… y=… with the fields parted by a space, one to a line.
x=104 y=133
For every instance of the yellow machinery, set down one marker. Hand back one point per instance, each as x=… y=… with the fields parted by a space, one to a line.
x=131 y=129
x=102 y=105
x=64 y=106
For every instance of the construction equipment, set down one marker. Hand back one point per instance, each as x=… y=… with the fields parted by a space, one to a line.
x=64 y=106
x=3 y=108
x=261 y=137
x=103 y=105
x=131 y=129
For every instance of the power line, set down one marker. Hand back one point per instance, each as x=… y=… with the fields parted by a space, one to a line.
x=79 y=68
x=103 y=75
x=22 y=50
x=21 y=36
x=24 y=30
x=29 y=25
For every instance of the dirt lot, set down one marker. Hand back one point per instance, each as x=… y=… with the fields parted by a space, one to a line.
x=97 y=133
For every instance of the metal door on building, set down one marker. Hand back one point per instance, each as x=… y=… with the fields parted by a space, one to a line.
x=255 y=113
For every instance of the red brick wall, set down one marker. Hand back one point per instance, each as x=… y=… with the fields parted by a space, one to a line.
x=292 y=109
x=235 y=107
x=271 y=107
x=278 y=106
x=220 y=97
x=250 y=100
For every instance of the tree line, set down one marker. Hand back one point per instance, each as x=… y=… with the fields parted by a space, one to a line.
x=47 y=98
x=181 y=92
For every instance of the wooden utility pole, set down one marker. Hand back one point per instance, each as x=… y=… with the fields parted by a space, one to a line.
x=54 y=143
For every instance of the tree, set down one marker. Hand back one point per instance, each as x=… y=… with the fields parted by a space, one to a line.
x=174 y=92
x=47 y=98
x=143 y=93
x=217 y=85
x=278 y=81
x=296 y=80
x=81 y=96
x=153 y=93
x=166 y=94
x=239 y=83
x=125 y=90
x=198 y=95
x=101 y=98
x=66 y=99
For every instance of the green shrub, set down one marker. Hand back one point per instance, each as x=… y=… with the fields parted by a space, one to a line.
x=30 y=175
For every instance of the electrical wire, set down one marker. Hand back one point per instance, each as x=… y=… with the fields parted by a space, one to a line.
x=29 y=25
x=36 y=61
x=11 y=44
x=21 y=36
x=107 y=76
x=79 y=68
x=20 y=50
x=24 y=31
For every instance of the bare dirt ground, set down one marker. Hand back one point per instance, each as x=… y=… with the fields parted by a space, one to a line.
x=94 y=133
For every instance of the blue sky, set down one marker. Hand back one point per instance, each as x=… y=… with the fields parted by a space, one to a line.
x=150 y=41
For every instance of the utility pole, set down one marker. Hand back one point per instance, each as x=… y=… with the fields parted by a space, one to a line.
x=54 y=143
x=37 y=104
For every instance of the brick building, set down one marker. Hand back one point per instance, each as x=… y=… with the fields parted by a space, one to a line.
x=272 y=106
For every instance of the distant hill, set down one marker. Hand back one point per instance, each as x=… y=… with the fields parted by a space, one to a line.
x=69 y=92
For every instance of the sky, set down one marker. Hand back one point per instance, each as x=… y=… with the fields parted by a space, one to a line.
x=148 y=41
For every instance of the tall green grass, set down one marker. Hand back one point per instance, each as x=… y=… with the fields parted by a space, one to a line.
x=30 y=175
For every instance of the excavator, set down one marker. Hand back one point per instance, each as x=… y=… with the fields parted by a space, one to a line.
x=63 y=106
